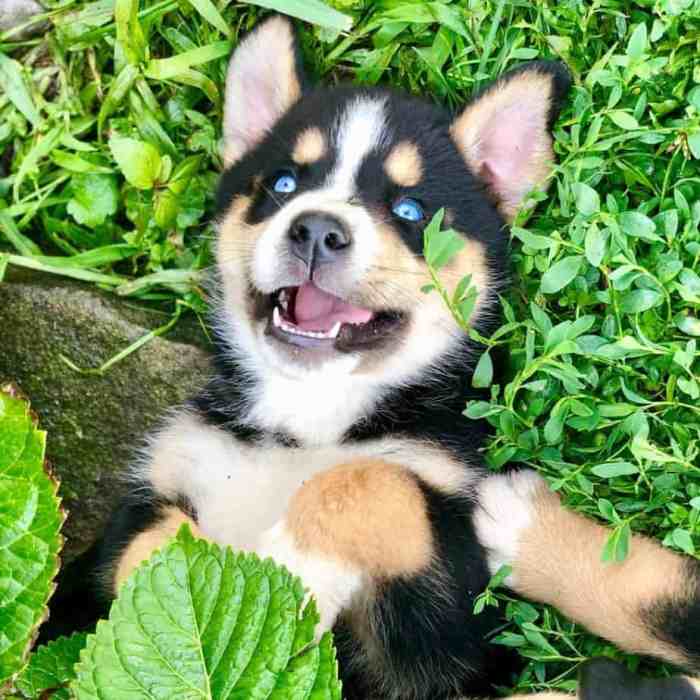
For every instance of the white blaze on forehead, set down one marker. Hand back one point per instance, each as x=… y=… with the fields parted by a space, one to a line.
x=360 y=130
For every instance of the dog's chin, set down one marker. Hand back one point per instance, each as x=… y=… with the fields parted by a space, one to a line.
x=304 y=328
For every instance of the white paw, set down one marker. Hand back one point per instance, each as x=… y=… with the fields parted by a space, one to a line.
x=505 y=510
x=331 y=582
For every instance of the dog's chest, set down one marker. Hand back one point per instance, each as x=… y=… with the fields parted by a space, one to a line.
x=240 y=489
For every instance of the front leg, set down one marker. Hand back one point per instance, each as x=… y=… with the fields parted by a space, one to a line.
x=649 y=604
x=350 y=526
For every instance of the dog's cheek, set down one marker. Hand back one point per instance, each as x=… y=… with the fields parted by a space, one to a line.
x=235 y=247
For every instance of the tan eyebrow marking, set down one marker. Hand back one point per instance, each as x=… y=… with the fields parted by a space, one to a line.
x=404 y=164
x=310 y=146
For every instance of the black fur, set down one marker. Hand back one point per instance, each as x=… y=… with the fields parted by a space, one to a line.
x=677 y=621
x=603 y=679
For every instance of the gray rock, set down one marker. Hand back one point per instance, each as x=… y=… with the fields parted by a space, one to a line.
x=94 y=422
x=14 y=13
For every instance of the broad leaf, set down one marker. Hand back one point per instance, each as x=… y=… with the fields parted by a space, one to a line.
x=95 y=197
x=51 y=668
x=561 y=274
x=198 y=621
x=139 y=161
x=30 y=523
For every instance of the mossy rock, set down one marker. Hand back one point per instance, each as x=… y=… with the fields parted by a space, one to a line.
x=95 y=423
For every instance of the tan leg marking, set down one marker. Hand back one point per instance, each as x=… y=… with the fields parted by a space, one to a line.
x=310 y=146
x=404 y=164
x=368 y=513
x=559 y=562
x=145 y=543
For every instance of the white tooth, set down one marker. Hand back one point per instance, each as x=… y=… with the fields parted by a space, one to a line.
x=333 y=332
x=276 y=318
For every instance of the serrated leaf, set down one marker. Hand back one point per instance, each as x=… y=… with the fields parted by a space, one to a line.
x=51 y=668
x=95 y=198
x=198 y=621
x=139 y=161
x=561 y=274
x=30 y=524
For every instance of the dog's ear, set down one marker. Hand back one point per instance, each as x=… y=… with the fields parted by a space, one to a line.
x=504 y=133
x=264 y=80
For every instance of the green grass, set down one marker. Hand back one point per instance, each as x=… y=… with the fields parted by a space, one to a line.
x=602 y=324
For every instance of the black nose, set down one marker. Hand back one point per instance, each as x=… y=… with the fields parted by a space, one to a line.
x=318 y=238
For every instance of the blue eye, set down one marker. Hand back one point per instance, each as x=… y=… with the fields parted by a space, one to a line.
x=285 y=183
x=408 y=209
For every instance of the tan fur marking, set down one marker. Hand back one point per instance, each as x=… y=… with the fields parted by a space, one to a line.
x=559 y=563
x=404 y=164
x=400 y=270
x=236 y=238
x=310 y=146
x=369 y=513
x=145 y=543
x=468 y=126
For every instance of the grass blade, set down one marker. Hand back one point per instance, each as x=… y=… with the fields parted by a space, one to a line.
x=165 y=68
x=208 y=10
x=13 y=85
x=313 y=11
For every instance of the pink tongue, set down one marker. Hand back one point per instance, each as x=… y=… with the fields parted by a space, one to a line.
x=316 y=310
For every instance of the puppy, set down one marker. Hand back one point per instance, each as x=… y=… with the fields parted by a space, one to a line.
x=331 y=436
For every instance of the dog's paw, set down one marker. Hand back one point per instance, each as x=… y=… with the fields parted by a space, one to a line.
x=603 y=679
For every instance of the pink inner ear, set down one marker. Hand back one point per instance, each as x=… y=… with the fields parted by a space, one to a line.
x=259 y=111
x=506 y=149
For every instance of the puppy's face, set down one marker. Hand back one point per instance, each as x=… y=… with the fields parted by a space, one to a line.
x=326 y=196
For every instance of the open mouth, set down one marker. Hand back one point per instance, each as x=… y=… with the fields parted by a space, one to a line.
x=308 y=316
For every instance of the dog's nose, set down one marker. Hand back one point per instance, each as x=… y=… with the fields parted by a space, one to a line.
x=317 y=238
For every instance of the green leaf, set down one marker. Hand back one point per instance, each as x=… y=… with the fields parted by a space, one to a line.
x=313 y=11
x=208 y=10
x=640 y=300
x=587 y=199
x=690 y=325
x=13 y=85
x=623 y=119
x=95 y=198
x=595 y=246
x=30 y=523
x=51 y=668
x=694 y=144
x=483 y=374
x=683 y=540
x=561 y=274
x=440 y=246
x=198 y=621
x=165 y=68
x=638 y=41
x=636 y=224
x=139 y=161
x=610 y=470
x=617 y=546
